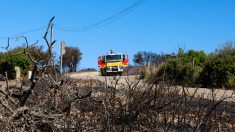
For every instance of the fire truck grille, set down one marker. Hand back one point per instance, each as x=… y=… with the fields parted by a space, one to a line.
x=114 y=68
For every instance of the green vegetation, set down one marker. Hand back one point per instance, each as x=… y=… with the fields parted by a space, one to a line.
x=16 y=57
x=219 y=69
x=12 y=58
x=183 y=69
x=195 y=68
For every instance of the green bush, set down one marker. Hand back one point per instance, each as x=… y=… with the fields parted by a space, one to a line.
x=219 y=69
x=13 y=58
x=195 y=68
x=184 y=69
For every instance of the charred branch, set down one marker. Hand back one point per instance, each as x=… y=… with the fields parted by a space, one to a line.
x=8 y=44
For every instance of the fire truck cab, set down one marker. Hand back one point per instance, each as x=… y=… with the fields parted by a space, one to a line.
x=112 y=63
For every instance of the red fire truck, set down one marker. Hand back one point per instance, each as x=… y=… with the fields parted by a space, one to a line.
x=112 y=63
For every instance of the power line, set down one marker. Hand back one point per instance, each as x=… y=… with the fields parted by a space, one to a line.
x=104 y=21
x=84 y=28
x=22 y=33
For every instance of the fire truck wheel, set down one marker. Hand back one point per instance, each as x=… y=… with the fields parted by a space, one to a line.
x=120 y=73
x=103 y=72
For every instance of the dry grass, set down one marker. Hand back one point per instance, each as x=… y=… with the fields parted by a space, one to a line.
x=91 y=105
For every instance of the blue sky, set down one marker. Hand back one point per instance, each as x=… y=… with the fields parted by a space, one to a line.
x=160 y=26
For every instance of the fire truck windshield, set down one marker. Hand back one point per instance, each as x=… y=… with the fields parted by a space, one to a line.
x=112 y=58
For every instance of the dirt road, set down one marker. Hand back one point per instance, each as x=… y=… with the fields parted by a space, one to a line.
x=204 y=92
x=109 y=79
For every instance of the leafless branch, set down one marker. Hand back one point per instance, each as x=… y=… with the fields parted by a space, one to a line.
x=8 y=44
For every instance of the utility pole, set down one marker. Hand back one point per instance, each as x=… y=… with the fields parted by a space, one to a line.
x=62 y=52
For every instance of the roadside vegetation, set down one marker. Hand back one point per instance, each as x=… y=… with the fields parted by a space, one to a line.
x=71 y=59
x=192 y=68
x=17 y=57
x=88 y=70
x=12 y=58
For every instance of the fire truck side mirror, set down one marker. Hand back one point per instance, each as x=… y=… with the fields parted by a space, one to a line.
x=102 y=59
